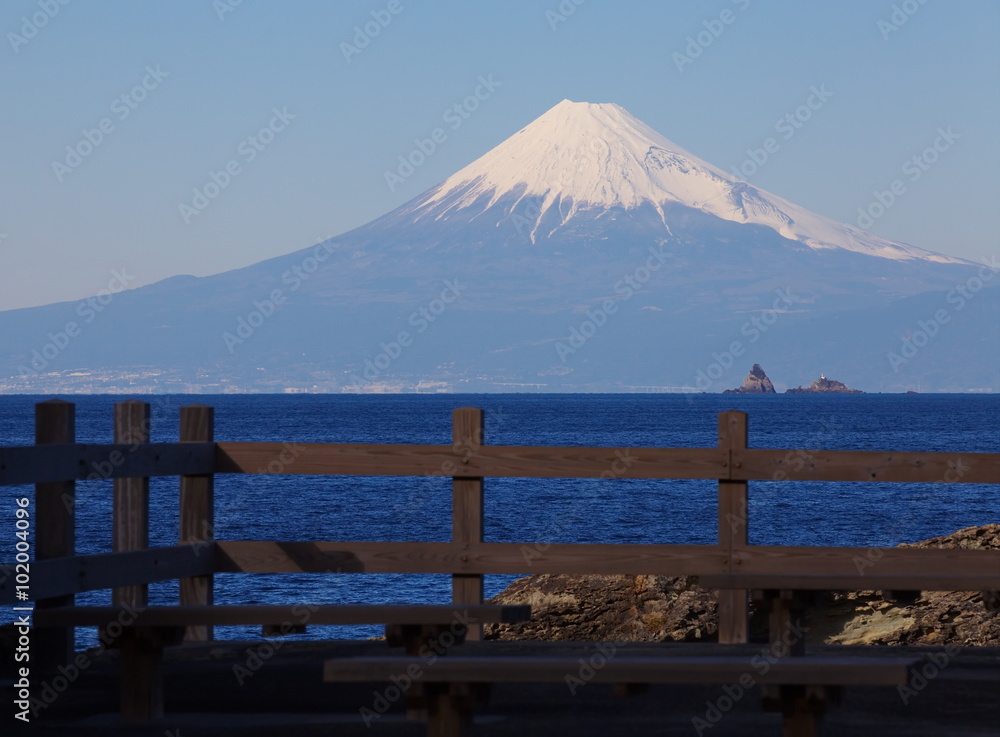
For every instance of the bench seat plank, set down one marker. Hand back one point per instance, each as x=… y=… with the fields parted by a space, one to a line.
x=221 y=615
x=806 y=670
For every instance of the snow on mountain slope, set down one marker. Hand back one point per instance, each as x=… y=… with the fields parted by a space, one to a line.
x=581 y=156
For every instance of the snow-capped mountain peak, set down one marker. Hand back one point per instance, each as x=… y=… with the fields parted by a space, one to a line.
x=581 y=156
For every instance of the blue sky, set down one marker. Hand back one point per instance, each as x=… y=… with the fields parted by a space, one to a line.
x=199 y=79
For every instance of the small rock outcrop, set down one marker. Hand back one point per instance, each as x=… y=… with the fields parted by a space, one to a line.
x=664 y=608
x=936 y=618
x=824 y=385
x=756 y=382
x=603 y=607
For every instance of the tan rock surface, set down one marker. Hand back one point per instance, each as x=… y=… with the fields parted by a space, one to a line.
x=663 y=608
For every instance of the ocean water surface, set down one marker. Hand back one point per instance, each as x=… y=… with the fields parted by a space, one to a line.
x=310 y=508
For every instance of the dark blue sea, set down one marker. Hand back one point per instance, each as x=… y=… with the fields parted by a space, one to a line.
x=528 y=510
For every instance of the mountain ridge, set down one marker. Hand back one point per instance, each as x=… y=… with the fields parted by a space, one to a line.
x=316 y=317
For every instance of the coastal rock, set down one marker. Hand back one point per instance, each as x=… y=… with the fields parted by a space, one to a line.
x=756 y=382
x=936 y=618
x=601 y=607
x=664 y=608
x=824 y=385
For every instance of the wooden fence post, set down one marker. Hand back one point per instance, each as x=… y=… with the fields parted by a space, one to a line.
x=733 y=611
x=197 y=515
x=467 y=506
x=55 y=533
x=141 y=660
x=131 y=498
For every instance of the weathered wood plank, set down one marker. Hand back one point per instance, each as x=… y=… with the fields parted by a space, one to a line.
x=572 y=558
x=581 y=462
x=64 y=576
x=55 y=527
x=863 y=465
x=467 y=506
x=130 y=509
x=488 y=460
x=277 y=615
x=669 y=668
x=514 y=558
x=867 y=562
x=82 y=462
x=141 y=687
x=734 y=613
x=958 y=581
x=63 y=462
x=197 y=513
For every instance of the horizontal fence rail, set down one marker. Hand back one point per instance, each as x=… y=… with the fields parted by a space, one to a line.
x=63 y=576
x=500 y=461
x=86 y=462
x=57 y=577
x=35 y=464
x=583 y=558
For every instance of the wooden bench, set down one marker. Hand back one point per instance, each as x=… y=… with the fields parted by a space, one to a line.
x=453 y=685
x=786 y=596
x=142 y=633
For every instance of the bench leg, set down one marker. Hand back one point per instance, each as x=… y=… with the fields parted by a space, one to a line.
x=800 y=724
x=802 y=707
x=142 y=678
x=141 y=650
x=449 y=710
x=419 y=640
x=786 y=623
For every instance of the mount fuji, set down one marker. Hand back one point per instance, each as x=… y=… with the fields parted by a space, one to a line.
x=586 y=252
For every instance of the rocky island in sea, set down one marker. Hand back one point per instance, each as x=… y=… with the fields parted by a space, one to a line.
x=756 y=382
x=824 y=385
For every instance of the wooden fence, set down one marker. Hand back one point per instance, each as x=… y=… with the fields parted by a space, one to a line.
x=56 y=462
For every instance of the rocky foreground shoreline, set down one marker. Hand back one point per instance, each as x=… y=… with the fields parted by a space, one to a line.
x=663 y=608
